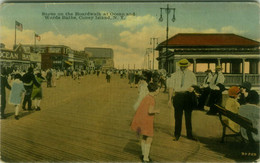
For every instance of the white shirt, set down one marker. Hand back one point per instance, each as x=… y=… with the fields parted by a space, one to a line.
x=182 y=80
x=207 y=80
x=217 y=78
x=109 y=73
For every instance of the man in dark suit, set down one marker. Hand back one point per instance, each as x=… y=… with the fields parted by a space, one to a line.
x=29 y=80
x=185 y=102
x=4 y=84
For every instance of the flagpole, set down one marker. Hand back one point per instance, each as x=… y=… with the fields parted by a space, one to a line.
x=14 y=34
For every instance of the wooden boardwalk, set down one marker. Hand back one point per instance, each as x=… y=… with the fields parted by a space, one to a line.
x=90 y=121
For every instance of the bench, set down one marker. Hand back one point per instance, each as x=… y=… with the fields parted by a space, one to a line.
x=240 y=120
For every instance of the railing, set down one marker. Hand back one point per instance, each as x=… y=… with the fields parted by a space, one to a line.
x=235 y=79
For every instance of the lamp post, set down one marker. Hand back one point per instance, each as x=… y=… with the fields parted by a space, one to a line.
x=152 y=41
x=168 y=11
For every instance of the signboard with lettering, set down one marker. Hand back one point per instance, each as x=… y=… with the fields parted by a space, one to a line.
x=8 y=55
x=35 y=57
x=25 y=57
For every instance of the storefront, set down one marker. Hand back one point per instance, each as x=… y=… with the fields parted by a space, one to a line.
x=16 y=59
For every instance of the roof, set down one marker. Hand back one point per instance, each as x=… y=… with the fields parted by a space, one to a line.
x=198 y=39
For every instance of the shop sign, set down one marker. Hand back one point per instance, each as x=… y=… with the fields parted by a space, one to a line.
x=8 y=55
x=25 y=56
x=35 y=57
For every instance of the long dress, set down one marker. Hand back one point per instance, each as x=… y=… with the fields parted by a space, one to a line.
x=16 y=92
x=37 y=91
x=143 y=121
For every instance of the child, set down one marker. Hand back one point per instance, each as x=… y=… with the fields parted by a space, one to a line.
x=142 y=90
x=16 y=94
x=143 y=120
x=37 y=92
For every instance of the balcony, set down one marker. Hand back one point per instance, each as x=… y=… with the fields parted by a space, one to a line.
x=235 y=79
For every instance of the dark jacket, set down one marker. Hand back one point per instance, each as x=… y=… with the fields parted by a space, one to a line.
x=187 y=101
x=29 y=79
x=4 y=84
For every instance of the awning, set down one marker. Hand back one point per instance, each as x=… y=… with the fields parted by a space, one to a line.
x=69 y=63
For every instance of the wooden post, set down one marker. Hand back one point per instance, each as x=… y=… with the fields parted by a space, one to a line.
x=194 y=65
x=243 y=70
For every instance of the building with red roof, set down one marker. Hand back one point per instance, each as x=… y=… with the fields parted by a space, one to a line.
x=238 y=56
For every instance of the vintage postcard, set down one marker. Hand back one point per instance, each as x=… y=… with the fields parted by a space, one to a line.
x=129 y=81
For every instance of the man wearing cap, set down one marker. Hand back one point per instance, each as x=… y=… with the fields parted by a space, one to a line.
x=179 y=83
x=216 y=89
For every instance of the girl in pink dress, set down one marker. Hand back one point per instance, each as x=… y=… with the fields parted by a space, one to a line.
x=143 y=120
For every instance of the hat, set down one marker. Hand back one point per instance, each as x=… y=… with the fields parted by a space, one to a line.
x=208 y=70
x=233 y=91
x=218 y=67
x=253 y=97
x=183 y=63
x=246 y=85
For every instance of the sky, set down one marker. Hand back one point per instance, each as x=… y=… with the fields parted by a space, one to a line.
x=124 y=27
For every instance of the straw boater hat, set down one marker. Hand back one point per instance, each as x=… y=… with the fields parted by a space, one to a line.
x=218 y=67
x=183 y=63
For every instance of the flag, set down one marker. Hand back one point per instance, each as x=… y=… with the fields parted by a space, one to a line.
x=18 y=26
x=38 y=37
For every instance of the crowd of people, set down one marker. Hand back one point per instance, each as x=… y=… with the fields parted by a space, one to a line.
x=184 y=96
x=26 y=86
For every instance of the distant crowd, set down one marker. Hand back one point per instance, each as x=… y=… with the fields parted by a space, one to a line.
x=184 y=96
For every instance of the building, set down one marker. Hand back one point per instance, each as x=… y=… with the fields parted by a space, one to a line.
x=103 y=58
x=19 y=58
x=78 y=59
x=238 y=56
x=59 y=57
